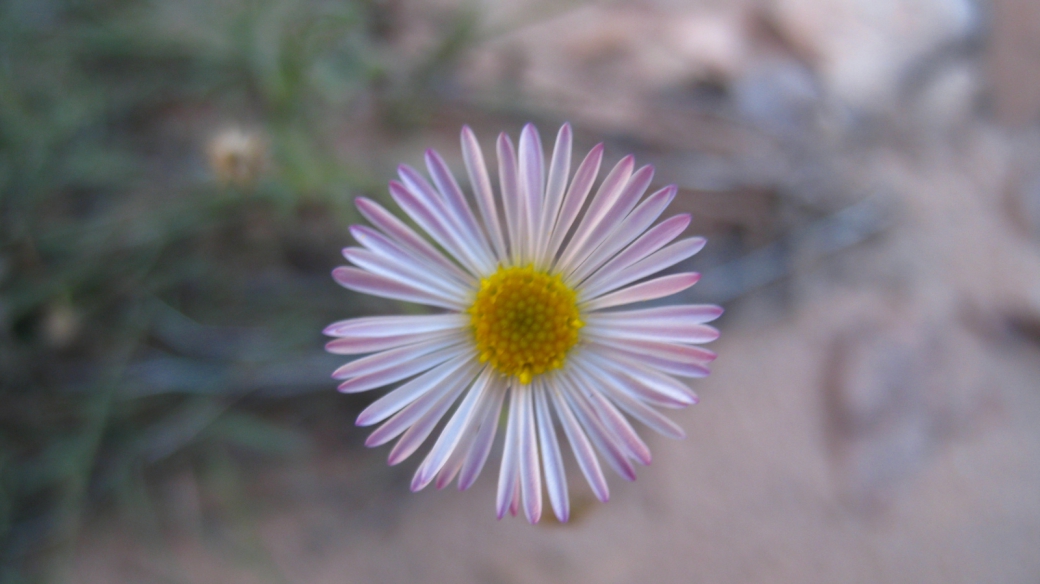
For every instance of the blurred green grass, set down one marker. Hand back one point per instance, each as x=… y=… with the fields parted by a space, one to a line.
x=122 y=231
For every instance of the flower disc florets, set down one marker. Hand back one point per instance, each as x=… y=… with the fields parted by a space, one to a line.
x=524 y=321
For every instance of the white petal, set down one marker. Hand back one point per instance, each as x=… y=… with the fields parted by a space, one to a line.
x=605 y=197
x=574 y=200
x=392 y=402
x=649 y=290
x=509 y=471
x=461 y=421
x=417 y=433
x=413 y=367
x=407 y=238
x=606 y=445
x=478 y=453
x=634 y=406
x=615 y=424
x=579 y=250
x=368 y=283
x=626 y=231
x=555 y=476
x=654 y=239
x=532 y=181
x=514 y=505
x=454 y=223
x=652 y=264
x=579 y=442
x=429 y=214
x=481 y=185
x=683 y=314
x=405 y=272
x=457 y=204
x=685 y=361
x=559 y=169
x=381 y=244
x=359 y=345
x=449 y=386
x=530 y=468
x=453 y=465
x=394 y=358
x=640 y=381
x=674 y=351
x=673 y=332
x=510 y=191
x=391 y=326
x=487 y=399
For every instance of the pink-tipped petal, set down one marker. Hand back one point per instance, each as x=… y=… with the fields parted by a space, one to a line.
x=404 y=371
x=514 y=505
x=675 y=351
x=510 y=189
x=408 y=273
x=414 y=437
x=617 y=210
x=605 y=197
x=460 y=423
x=453 y=465
x=396 y=253
x=641 y=382
x=392 y=326
x=396 y=230
x=360 y=345
x=652 y=264
x=368 y=283
x=608 y=447
x=530 y=469
x=532 y=182
x=430 y=215
x=478 y=453
x=559 y=170
x=614 y=423
x=626 y=231
x=580 y=445
x=683 y=363
x=664 y=333
x=650 y=417
x=480 y=182
x=394 y=358
x=574 y=200
x=456 y=203
x=555 y=477
x=654 y=239
x=508 y=473
x=662 y=315
x=610 y=450
x=478 y=436
x=649 y=290
x=433 y=381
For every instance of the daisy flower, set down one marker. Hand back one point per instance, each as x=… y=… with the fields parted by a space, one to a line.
x=528 y=290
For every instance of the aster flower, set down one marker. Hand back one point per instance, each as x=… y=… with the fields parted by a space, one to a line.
x=528 y=289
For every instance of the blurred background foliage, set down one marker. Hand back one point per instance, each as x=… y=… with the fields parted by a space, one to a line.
x=164 y=164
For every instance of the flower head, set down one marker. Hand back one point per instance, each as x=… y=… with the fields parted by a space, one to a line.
x=528 y=289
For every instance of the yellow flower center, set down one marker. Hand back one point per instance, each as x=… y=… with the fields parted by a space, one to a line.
x=524 y=321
